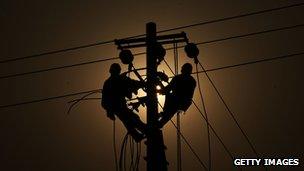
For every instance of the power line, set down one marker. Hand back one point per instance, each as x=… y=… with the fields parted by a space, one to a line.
x=187 y=142
x=230 y=112
x=142 y=53
x=233 y=17
x=212 y=129
x=206 y=119
x=178 y=136
x=177 y=116
x=56 y=51
x=209 y=70
x=254 y=62
x=57 y=68
x=166 y=30
x=206 y=115
x=190 y=147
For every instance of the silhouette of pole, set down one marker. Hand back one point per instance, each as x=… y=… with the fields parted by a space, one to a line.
x=156 y=158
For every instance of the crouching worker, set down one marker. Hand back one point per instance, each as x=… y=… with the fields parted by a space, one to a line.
x=179 y=93
x=115 y=90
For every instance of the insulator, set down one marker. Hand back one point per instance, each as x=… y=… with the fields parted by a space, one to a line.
x=191 y=50
x=126 y=56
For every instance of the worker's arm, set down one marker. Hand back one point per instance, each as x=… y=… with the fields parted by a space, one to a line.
x=106 y=103
x=169 y=87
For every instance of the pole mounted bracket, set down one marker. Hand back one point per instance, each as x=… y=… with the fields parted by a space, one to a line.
x=141 y=42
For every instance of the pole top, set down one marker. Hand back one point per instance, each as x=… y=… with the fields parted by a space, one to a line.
x=151 y=24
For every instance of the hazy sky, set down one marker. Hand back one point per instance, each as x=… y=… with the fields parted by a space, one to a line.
x=267 y=98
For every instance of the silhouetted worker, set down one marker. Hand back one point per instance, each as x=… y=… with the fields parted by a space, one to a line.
x=115 y=89
x=179 y=93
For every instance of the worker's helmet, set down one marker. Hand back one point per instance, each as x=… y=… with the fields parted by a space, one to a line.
x=115 y=69
x=187 y=68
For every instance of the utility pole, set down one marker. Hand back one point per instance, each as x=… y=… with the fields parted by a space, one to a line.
x=156 y=157
x=155 y=144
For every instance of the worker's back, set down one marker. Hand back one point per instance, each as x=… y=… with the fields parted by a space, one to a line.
x=183 y=86
x=113 y=93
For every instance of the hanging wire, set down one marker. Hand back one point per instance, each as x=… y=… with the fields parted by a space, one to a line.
x=204 y=117
x=204 y=108
x=138 y=155
x=185 y=140
x=215 y=133
x=231 y=113
x=131 y=154
x=229 y=110
x=134 y=154
x=190 y=147
x=79 y=100
x=178 y=138
x=207 y=120
x=187 y=143
x=114 y=146
x=121 y=156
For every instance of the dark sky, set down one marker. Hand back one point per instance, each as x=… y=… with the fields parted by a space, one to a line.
x=267 y=98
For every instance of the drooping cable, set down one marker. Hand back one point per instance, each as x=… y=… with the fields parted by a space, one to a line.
x=190 y=147
x=138 y=155
x=188 y=144
x=114 y=146
x=206 y=115
x=122 y=154
x=122 y=158
x=232 y=157
x=79 y=100
x=132 y=162
x=178 y=138
x=230 y=112
x=134 y=154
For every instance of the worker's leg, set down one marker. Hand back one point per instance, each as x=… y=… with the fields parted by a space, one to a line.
x=170 y=103
x=167 y=115
x=170 y=108
x=136 y=122
x=129 y=124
